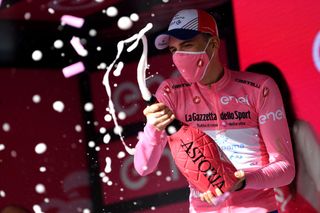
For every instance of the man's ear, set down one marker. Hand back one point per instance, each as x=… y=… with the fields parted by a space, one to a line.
x=215 y=42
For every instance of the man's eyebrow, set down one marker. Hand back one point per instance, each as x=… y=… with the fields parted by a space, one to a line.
x=182 y=43
x=186 y=41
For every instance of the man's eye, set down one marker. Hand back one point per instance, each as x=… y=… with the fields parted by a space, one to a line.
x=187 y=45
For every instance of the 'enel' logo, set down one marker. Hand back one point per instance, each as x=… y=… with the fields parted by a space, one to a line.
x=277 y=115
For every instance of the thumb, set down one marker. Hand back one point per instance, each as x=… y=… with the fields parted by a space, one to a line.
x=239 y=174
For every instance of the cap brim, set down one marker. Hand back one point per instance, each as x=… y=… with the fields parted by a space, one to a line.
x=162 y=40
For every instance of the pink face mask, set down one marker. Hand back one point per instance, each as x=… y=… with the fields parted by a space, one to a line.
x=192 y=65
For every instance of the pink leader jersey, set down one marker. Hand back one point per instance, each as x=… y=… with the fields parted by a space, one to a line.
x=243 y=113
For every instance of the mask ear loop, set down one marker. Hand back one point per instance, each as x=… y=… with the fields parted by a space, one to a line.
x=210 y=58
x=207 y=44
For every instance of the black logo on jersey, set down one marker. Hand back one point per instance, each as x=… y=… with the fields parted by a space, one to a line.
x=177 y=86
x=200 y=117
x=250 y=83
x=236 y=115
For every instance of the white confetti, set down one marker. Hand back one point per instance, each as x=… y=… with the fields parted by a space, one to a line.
x=168 y=178
x=118 y=130
x=51 y=11
x=209 y=173
x=153 y=208
x=107 y=169
x=112 y=11
x=72 y=21
x=92 y=32
x=108 y=118
x=78 y=47
x=27 y=16
x=124 y=23
x=102 y=66
x=99 y=48
x=158 y=173
x=122 y=115
x=109 y=183
x=58 y=44
x=134 y=17
x=40 y=148
x=105 y=179
x=37 y=55
x=117 y=71
x=36 y=99
x=40 y=188
x=58 y=106
x=14 y=154
x=2 y=193
x=73 y=69
x=91 y=144
x=2 y=147
x=106 y=138
x=42 y=169
x=37 y=209
x=102 y=174
x=86 y=210
x=172 y=130
x=78 y=128
x=6 y=127
x=121 y=154
x=165 y=1
x=88 y=107
x=102 y=130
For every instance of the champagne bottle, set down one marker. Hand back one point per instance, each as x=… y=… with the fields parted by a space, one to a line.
x=199 y=158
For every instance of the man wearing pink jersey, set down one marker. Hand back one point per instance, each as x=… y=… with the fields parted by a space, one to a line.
x=242 y=112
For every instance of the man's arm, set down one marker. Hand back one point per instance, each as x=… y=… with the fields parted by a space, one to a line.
x=153 y=140
x=274 y=130
x=149 y=149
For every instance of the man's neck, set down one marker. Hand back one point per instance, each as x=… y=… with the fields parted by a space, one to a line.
x=216 y=74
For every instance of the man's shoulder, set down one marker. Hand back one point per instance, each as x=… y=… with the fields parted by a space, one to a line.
x=249 y=78
x=175 y=83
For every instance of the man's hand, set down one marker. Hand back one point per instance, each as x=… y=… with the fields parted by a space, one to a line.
x=221 y=197
x=208 y=196
x=241 y=176
x=159 y=115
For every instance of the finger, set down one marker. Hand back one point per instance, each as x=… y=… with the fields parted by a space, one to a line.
x=218 y=192
x=210 y=197
x=160 y=117
x=162 y=125
x=157 y=118
x=202 y=197
x=239 y=174
x=162 y=112
x=154 y=108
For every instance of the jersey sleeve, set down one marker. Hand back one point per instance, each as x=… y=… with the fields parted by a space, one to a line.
x=148 y=150
x=279 y=171
x=152 y=142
